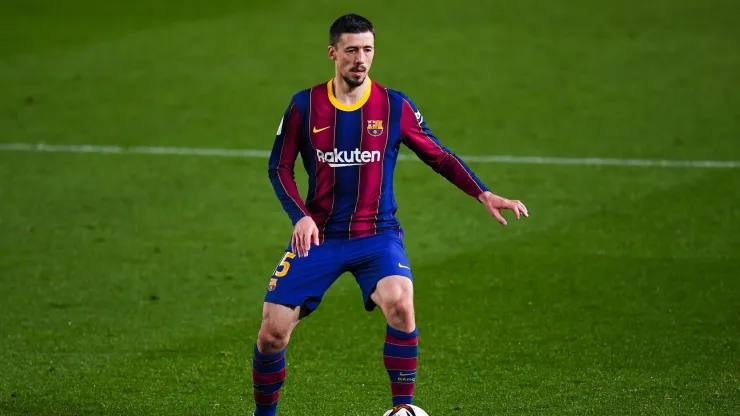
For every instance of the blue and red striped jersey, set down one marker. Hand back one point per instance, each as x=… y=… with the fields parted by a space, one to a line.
x=350 y=153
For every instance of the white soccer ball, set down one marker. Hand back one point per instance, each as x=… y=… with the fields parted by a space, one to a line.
x=406 y=410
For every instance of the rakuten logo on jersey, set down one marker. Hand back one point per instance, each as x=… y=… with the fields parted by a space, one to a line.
x=341 y=158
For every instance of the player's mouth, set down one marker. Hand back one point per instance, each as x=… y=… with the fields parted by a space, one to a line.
x=358 y=72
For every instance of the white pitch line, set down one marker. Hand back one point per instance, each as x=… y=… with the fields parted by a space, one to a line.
x=252 y=153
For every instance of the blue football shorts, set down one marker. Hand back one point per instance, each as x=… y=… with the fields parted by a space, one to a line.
x=303 y=281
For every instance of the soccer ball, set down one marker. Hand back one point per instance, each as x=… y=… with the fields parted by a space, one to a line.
x=406 y=410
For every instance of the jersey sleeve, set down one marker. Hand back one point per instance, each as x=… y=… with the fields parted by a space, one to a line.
x=282 y=163
x=417 y=137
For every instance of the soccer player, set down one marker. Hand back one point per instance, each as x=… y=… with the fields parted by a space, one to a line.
x=348 y=132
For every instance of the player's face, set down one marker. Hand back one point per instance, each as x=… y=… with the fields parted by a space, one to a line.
x=353 y=56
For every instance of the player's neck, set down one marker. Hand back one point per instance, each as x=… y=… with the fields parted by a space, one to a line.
x=346 y=94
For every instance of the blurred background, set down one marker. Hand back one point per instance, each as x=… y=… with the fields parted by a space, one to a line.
x=131 y=283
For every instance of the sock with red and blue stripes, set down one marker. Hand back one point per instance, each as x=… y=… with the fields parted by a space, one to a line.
x=268 y=375
x=400 y=355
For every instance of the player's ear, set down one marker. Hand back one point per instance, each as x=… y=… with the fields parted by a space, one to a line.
x=332 y=52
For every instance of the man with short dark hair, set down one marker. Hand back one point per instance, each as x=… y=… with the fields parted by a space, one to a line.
x=348 y=132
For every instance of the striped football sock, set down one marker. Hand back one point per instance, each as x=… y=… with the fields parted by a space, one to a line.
x=268 y=375
x=400 y=356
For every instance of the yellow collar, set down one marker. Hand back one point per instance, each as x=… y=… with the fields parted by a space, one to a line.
x=353 y=107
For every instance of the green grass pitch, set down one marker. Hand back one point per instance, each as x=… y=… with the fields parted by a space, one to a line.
x=132 y=284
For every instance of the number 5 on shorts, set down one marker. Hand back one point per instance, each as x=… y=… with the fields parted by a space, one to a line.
x=284 y=264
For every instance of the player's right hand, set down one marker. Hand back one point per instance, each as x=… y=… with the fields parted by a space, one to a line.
x=304 y=233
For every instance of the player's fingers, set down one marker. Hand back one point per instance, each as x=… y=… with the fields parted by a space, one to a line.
x=315 y=235
x=515 y=208
x=523 y=208
x=302 y=243
x=306 y=242
x=299 y=244
x=498 y=217
x=293 y=244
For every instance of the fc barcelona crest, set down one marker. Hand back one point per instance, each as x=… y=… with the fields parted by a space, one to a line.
x=375 y=127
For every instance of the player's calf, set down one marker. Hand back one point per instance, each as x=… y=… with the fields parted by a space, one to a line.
x=400 y=354
x=268 y=363
x=394 y=295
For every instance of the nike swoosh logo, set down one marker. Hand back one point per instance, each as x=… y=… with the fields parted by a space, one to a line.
x=403 y=267
x=315 y=130
x=406 y=374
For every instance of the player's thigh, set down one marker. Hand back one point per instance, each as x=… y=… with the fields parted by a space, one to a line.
x=302 y=281
x=377 y=258
x=279 y=319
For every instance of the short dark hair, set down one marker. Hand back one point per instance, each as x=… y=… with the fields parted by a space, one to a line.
x=349 y=23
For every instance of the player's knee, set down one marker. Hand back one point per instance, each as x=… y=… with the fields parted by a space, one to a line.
x=395 y=296
x=272 y=340
x=401 y=313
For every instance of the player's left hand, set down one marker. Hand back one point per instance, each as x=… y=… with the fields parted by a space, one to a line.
x=495 y=204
